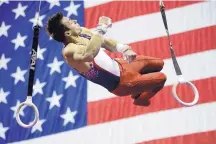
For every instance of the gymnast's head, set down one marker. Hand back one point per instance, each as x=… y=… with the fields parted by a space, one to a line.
x=62 y=28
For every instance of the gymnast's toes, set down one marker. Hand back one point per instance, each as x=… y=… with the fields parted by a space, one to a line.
x=139 y=102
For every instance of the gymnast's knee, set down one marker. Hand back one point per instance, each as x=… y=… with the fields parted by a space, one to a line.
x=159 y=63
x=161 y=81
x=159 y=77
x=152 y=64
x=163 y=78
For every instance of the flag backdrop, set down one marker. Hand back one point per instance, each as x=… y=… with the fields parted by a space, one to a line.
x=74 y=110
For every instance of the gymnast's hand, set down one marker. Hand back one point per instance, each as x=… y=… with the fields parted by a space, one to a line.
x=103 y=24
x=129 y=55
x=103 y=20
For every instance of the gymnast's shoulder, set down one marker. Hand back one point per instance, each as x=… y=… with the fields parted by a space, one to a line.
x=86 y=31
x=72 y=48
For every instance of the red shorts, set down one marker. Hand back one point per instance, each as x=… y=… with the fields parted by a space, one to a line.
x=140 y=77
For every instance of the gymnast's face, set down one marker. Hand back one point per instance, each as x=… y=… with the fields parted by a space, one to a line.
x=73 y=27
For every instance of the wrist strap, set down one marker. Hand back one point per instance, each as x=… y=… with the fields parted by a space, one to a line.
x=101 y=29
x=121 y=47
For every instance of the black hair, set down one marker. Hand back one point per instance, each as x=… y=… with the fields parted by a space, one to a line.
x=55 y=28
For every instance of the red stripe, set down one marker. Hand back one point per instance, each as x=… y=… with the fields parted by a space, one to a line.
x=120 y=10
x=198 y=138
x=122 y=107
x=183 y=43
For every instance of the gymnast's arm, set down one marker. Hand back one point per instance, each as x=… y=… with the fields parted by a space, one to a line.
x=82 y=53
x=109 y=44
x=114 y=46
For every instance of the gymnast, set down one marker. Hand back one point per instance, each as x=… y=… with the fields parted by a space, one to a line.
x=137 y=76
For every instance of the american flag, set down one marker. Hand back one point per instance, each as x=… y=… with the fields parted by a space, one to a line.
x=74 y=110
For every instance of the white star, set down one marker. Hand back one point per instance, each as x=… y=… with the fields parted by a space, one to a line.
x=14 y=109
x=40 y=52
x=3 y=130
x=19 y=41
x=70 y=80
x=20 y=10
x=3 y=29
x=19 y=75
x=55 y=66
x=38 y=126
x=53 y=3
x=69 y=116
x=3 y=96
x=37 y=88
x=4 y=1
x=4 y=61
x=72 y=9
x=34 y=20
x=54 y=100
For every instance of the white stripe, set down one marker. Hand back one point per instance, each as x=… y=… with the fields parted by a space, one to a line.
x=92 y=3
x=163 y=124
x=149 y=26
x=194 y=67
